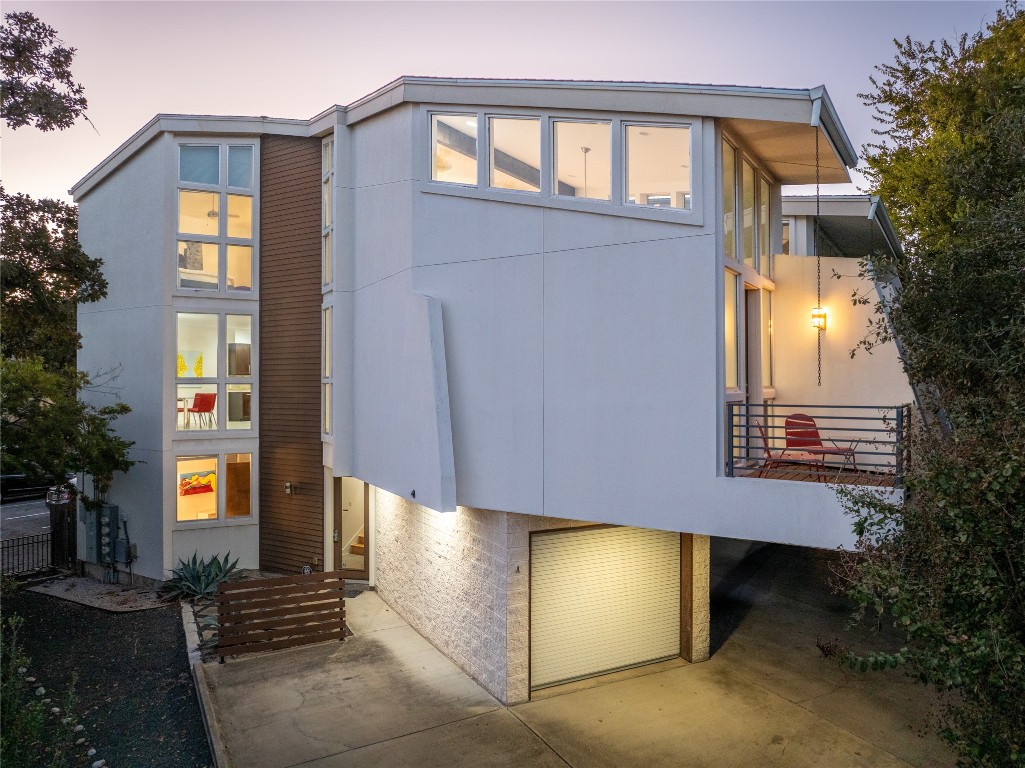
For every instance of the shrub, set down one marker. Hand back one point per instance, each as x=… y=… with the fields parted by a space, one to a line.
x=198 y=578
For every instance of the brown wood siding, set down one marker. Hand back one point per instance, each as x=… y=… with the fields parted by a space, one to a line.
x=291 y=526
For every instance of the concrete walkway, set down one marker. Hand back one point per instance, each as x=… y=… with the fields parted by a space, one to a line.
x=386 y=697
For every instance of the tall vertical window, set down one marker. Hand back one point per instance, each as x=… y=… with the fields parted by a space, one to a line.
x=766 y=338
x=748 y=215
x=729 y=200
x=658 y=166
x=765 y=257
x=515 y=153
x=732 y=330
x=325 y=370
x=216 y=216
x=327 y=173
x=582 y=156
x=454 y=148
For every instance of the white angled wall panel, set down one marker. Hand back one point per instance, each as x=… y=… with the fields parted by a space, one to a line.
x=602 y=599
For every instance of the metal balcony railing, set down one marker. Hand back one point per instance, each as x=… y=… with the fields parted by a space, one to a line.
x=848 y=444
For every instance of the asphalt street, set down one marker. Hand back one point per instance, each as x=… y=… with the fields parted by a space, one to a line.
x=24 y=518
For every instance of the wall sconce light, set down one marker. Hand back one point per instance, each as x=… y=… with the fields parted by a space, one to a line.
x=818 y=318
x=289 y=489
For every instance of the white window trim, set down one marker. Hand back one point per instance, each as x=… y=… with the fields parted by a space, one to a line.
x=219 y=450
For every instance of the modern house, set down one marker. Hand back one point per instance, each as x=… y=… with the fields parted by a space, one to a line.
x=510 y=350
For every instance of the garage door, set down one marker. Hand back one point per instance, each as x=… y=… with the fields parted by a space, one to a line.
x=602 y=599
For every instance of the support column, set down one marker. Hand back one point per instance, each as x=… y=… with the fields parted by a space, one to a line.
x=695 y=617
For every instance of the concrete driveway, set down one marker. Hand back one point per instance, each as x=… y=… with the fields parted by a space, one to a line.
x=387 y=697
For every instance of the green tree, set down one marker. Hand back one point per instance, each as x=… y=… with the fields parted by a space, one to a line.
x=948 y=565
x=44 y=274
x=37 y=87
x=47 y=430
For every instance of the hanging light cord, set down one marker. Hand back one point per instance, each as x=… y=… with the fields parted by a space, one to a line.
x=818 y=257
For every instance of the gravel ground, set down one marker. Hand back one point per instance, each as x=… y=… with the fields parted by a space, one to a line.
x=134 y=690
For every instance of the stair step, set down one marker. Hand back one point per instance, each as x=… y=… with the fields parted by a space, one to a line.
x=359 y=540
x=356 y=549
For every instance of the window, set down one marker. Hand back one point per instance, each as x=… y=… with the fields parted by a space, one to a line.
x=454 y=148
x=325 y=370
x=582 y=159
x=327 y=173
x=729 y=200
x=197 y=488
x=202 y=380
x=767 y=339
x=765 y=257
x=732 y=328
x=785 y=249
x=658 y=166
x=200 y=495
x=515 y=153
x=215 y=246
x=747 y=238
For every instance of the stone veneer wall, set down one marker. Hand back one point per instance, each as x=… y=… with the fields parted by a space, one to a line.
x=462 y=579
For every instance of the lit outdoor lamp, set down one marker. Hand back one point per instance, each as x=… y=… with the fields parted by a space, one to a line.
x=818 y=318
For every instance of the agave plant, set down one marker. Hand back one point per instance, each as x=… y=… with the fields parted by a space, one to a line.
x=197 y=578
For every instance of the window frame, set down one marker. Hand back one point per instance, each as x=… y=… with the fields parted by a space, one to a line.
x=221 y=380
x=222 y=240
x=218 y=451
x=624 y=138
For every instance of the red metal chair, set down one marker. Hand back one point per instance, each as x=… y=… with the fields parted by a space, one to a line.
x=803 y=435
x=203 y=405
x=786 y=456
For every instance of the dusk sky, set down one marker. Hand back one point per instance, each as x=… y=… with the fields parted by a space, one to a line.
x=295 y=59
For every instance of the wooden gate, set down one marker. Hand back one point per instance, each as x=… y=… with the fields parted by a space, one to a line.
x=268 y=614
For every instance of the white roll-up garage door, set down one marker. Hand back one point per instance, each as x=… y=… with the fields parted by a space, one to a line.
x=602 y=599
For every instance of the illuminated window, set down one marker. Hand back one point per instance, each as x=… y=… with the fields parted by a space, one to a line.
x=208 y=370
x=454 y=148
x=238 y=484
x=732 y=328
x=515 y=153
x=327 y=165
x=767 y=338
x=765 y=257
x=325 y=370
x=215 y=247
x=658 y=166
x=582 y=159
x=729 y=200
x=196 y=488
x=748 y=215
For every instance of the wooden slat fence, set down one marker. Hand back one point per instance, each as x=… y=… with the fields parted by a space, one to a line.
x=268 y=614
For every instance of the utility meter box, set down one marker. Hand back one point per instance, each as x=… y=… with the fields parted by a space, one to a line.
x=101 y=533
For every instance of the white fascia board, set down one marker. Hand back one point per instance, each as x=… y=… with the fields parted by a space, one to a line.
x=870 y=207
x=324 y=123
x=186 y=124
x=826 y=117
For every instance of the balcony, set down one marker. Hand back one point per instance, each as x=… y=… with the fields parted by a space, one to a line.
x=845 y=444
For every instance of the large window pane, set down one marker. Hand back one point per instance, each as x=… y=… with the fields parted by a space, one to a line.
x=327 y=159
x=197 y=488
x=198 y=212
x=748 y=236
x=239 y=331
x=325 y=405
x=765 y=259
x=240 y=268
x=729 y=201
x=325 y=354
x=197 y=265
x=240 y=216
x=515 y=154
x=325 y=203
x=658 y=166
x=454 y=148
x=197 y=346
x=240 y=406
x=199 y=165
x=326 y=257
x=238 y=484
x=240 y=167
x=732 y=336
x=583 y=165
x=196 y=406
x=766 y=338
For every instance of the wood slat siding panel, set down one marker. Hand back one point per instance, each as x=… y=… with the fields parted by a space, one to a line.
x=291 y=527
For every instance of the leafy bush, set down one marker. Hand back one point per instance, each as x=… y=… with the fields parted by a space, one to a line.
x=198 y=578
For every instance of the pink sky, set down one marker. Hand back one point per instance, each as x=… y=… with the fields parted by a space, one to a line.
x=295 y=59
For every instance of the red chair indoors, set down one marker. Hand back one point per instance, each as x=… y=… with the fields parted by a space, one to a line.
x=203 y=405
x=803 y=435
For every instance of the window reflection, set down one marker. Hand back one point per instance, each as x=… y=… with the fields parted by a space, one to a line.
x=454 y=148
x=515 y=154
